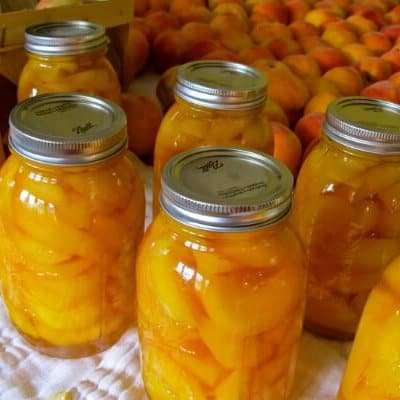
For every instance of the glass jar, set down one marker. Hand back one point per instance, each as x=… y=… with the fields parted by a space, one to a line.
x=221 y=280
x=72 y=214
x=217 y=103
x=372 y=371
x=347 y=210
x=67 y=56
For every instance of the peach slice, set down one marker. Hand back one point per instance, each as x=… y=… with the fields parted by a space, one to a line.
x=164 y=379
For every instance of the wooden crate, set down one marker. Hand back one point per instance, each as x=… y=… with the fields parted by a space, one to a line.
x=115 y=15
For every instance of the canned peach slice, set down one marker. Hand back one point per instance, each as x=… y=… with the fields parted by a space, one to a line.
x=235 y=351
x=41 y=225
x=247 y=302
x=367 y=214
x=173 y=275
x=214 y=263
x=195 y=358
x=235 y=387
x=165 y=379
x=253 y=138
x=375 y=179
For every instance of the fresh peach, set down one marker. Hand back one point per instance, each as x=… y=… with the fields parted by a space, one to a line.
x=377 y=16
x=144 y=115
x=322 y=84
x=391 y=31
x=309 y=127
x=222 y=54
x=141 y=24
x=356 y=51
x=157 y=5
x=175 y=6
x=330 y=6
x=256 y=52
x=160 y=21
x=200 y=49
x=236 y=41
x=361 y=24
x=303 y=65
x=228 y=23
x=211 y=4
x=236 y=9
x=393 y=56
x=264 y=32
x=272 y=111
x=194 y=14
x=347 y=78
x=137 y=53
x=310 y=42
x=281 y=47
x=269 y=11
x=287 y=146
x=386 y=90
x=194 y=32
x=338 y=37
x=374 y=69
x=393 y=16
x=395 y=77
x=297 y=9
x=320 y=16
x=168 y=49
x=328 y=57
x=284 y=86
x=319 y=102
x=376 y=41
x=140 y=7
x=303 y=28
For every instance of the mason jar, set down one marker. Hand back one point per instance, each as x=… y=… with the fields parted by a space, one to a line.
x=67 y=56
x=217 y=103
x=372 y=366
x=71 y=217
x=221 y=279
x=347 y=210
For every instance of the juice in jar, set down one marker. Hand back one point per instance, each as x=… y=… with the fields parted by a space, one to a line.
x=67 y=56
x=217 y=103
x=221 y=280
x=71 y=218
x=346 y=210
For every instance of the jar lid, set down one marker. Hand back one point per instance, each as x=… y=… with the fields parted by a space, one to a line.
x=226 y=189
x=221 y=85
x=365 y=124
x=67 y=129
x=65 y=38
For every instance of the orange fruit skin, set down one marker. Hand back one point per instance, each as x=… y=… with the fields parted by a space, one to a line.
x=288 y=147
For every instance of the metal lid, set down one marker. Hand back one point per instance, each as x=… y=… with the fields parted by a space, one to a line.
x=365 y=124
x=67 y=129
x=226 y=189
x=65 y=38
x=221 y=85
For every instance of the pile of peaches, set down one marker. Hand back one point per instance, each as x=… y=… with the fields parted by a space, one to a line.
x=312 y=51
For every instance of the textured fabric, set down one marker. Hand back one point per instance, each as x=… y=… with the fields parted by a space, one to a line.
x=115 y=373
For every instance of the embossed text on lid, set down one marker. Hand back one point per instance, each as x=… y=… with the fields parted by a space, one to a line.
x=365 y=124
x=67 y=129
x=221 y=85
x=65 y=37
x=218 y=188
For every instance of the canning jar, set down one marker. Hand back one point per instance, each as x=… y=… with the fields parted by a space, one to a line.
x=217 y=103
x=67 y=56
x=372 y=371
x=71 y=218
x=347 y=210
x=221 y=280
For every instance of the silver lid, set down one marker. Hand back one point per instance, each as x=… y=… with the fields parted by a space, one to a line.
x=67 y=129
x=65 y=38
x=365 y=124
x=221 y=85
x=226 y=189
